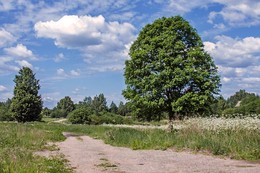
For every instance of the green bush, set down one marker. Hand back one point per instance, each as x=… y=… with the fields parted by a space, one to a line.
x=5 y=115
x=58 y=113
x=80 y=116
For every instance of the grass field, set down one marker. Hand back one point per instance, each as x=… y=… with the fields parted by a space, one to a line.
x=238 y=139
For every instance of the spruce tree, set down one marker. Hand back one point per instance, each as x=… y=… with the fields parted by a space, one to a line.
x=26 y=103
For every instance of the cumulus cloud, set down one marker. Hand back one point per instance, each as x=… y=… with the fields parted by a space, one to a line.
x=75 y=72
x=24 y=63
x=99 y=41
x=84 y=31
x=243 y=12
x=234 y=52
x=61 y=72
x=233 y=13
x=238 y=61
x=20 y=51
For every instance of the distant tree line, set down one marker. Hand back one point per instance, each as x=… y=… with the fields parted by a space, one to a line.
x=241 y=103
x=26 y=105
x=89 y=111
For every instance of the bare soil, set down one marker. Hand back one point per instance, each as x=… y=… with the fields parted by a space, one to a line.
x=88 y=155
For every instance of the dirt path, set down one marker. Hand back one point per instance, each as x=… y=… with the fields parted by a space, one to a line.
x=89 y=155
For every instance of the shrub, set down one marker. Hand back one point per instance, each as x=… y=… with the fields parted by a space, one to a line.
x=58 y=113
x=80 y=116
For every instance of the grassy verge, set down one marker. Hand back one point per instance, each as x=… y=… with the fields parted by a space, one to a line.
x=17 y=144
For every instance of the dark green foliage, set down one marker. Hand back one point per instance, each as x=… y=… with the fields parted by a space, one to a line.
x=219 y=105
x=124 y=109
x=87 y=102
x=238 y=96
x=58 y=113
x=240 y=104
x=169 y=71
x=113 y=108
x=80 y=116
x=26 y=103
x=5 y=113
x=247 y=109
x=66 y=105
x=46 y=112
x=99 y=103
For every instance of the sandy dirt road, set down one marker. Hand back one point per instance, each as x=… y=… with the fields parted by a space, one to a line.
x=88 y=155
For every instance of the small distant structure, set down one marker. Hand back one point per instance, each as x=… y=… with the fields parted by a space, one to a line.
x=238 y=104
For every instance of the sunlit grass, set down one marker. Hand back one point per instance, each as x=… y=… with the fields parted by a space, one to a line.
x=17 y=145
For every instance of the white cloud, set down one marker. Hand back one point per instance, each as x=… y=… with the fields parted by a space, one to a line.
x=233 y=13
x=6 y=38
x=20 y=51
x=184 y=6
x=24 y=63
x=60 y=57
x=237 y=13
x=236 y=52
x=2 y=88
x=238 y=61
x=5 y=95
x=50 y=99
x=251 y=80
x=75 y=72
x=62 y=74
x=83 y=31
x=101 y=42
x=125 y=16
x=226 y=79
x=5 y=67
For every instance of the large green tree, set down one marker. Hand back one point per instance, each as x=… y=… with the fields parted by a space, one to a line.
x=169 y=70
x=27 y=103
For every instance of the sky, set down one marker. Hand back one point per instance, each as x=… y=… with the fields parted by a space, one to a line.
x=78 y=48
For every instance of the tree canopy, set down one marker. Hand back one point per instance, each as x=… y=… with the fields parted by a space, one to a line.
x=26 y=104
x=66 y=105
x=169 y=70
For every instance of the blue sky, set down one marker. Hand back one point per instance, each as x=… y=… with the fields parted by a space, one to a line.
x=78 y=48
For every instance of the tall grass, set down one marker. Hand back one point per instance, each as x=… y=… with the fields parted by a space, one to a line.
x=17 y=144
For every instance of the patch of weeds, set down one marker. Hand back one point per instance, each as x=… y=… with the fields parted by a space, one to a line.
x=104 y=159
x=107 y=165
x=56 y=164
x=50 y=147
